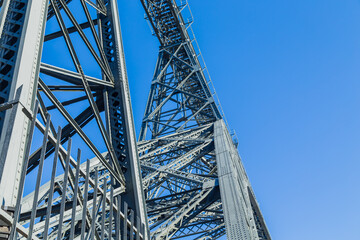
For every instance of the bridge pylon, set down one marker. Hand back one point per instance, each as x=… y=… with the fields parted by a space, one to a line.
x=194 y=182
x=65 y=99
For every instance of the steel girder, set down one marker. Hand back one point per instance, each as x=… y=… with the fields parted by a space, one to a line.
x=243 y=219
x=183 y=196
x=182 y=154
x=63 y=82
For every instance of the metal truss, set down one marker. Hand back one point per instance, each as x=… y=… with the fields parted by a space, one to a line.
x=193 y=178
x=63 y=83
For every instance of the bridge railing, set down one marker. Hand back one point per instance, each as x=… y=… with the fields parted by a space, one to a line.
x=81 y=198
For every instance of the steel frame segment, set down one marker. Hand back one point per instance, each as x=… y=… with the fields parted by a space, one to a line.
x=236 y=191
x=109 y=93
x=80 y=131
x=95 y=167
x=202 y=227
x=175 y=149
x=175 y=174
x=43 y=191
x=101 y=61
x=261 y=227
x=201 y=216
x=173 y=102
x=172 y=198
x=62 y=151
x=169 y=177
x=87 y=89
x=12 y=17
x=184 y=77
x=165 y=13
x=181 y=142
x=117 y=102
x=193 y=207
x=69 y=76
x=57 y=34
x=68 y=131
x=23 y=26
x=177 y=164
x=216 y=233
x=180 y=102
x=204 y=221
x=7 y=218
x=119 y=111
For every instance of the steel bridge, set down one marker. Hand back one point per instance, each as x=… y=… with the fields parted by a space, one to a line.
x=70 y=165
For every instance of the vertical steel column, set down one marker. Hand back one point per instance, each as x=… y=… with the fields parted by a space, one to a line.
x=120 y=112
x=233 y=181
x=243 y=219
x=19 y=68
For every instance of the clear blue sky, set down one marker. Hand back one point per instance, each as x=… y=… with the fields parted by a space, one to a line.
x=287 y=73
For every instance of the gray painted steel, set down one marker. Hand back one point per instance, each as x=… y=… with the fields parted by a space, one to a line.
x=79 y=201
x=241 y=219
x=194 y=183
x=23 y=25
x=193 y=178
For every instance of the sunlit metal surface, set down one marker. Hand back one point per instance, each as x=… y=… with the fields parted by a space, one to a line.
x=64 y=98
x=193 y=178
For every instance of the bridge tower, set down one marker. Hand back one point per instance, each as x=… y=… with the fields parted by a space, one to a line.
x=64 y=99
x=193 y=178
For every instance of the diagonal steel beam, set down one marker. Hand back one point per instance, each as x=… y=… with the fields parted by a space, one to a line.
x=78 y=129
x=88 y=92
x=102 y=62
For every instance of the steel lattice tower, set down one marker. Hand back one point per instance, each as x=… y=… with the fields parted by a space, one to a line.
x=193 y=178
x=64 y=98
